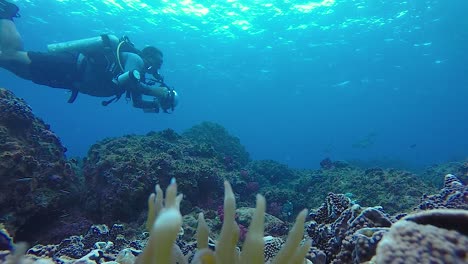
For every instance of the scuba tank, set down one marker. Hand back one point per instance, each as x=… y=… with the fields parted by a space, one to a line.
x=84 y=45
x=110 y=44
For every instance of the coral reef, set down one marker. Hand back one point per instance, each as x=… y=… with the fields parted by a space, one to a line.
x=340 y=232
x=345 y=232
x=164 y=222
x=290 y=190
x=119 y=173
x=396 y=191
x=432 y=173
x=37 y=183
x=362 y=214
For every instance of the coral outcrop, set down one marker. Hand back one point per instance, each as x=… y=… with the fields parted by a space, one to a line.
x=119 y=172
x=37 y=182
x=343 y=232
x=226 y=147
x=454 y=195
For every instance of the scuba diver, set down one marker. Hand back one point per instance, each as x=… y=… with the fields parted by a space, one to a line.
x=102 y=66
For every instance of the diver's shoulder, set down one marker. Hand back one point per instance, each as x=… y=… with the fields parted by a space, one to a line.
x=133 y=59
x=131 y=56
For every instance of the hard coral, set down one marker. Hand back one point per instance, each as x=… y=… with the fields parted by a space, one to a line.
x=453 y=195
x=345 y=232
x=330 y=210
x=425 y=238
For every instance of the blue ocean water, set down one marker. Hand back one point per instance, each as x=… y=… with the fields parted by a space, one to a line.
x=296 y=81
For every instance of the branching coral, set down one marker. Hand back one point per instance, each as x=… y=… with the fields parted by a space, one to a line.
x=164 y=222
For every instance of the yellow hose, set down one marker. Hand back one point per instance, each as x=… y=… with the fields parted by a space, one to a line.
x=118 y=55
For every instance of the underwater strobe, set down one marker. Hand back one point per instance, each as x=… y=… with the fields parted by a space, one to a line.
x=128 y=77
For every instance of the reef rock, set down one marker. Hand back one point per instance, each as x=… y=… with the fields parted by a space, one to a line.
x=120 y=172
x=228 y=148
x=36 y=180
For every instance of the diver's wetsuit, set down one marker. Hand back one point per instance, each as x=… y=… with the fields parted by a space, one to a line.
x=88 y=75
x=58 y=70
x=8 y=10
x=91 y=74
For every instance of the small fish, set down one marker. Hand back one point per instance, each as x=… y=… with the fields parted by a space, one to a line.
x=412 y=146
x=24 y=179
x=341 y=84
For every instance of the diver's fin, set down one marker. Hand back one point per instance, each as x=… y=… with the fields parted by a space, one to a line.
x=72 y=96
x=8 y=10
